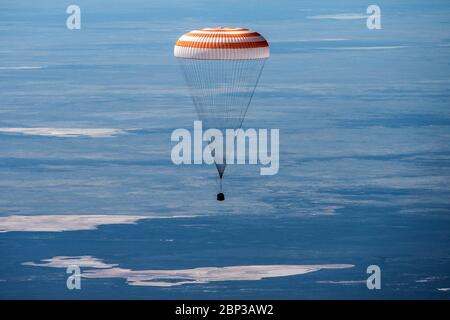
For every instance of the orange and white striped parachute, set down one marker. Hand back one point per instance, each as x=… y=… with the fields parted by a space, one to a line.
x=222 y=67
x=222 y=44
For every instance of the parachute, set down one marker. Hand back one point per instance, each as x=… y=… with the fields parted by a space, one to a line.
x=221 y=67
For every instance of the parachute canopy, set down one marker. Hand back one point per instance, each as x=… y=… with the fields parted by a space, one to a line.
x=222 y=44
